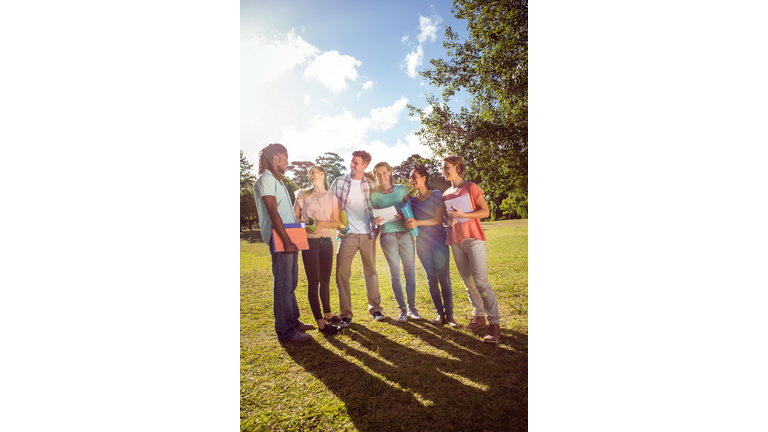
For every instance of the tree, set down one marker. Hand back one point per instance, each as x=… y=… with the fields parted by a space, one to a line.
x=333 y=165
x=248 y=212
x=436 y=179
x=300 y=173
x=411 y=191
x=515 y=205
x=246 y=176
x=291 y=186
x=492 y=66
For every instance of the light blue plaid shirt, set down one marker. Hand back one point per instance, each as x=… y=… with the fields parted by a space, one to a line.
x=340 y=188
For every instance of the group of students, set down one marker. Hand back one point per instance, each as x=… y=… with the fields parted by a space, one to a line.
x=355 y=197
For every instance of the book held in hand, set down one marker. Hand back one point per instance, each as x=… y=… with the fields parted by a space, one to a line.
x=462 y=203
x=298 y=234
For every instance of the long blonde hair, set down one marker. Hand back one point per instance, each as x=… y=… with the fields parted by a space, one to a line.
x=307 y=191
x=379 y=186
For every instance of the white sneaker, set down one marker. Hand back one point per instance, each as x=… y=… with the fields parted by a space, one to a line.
x=403 y=316
x=414 y=314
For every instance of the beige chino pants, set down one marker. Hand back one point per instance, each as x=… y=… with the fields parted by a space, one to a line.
x=348 y=247
x=469 y=256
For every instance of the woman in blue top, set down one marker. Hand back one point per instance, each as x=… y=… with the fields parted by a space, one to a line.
x=396 y=240
x=429 y=210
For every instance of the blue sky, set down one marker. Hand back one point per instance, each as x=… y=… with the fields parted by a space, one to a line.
x=337 y=75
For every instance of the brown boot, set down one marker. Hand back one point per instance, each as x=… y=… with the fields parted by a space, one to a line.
x=475 y=323
x=494 y=333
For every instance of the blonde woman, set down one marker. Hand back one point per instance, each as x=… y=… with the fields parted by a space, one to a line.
x=396 y=241
x=317 y=203
x=467 y=242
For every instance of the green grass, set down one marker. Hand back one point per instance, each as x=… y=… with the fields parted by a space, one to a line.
x=387 y=375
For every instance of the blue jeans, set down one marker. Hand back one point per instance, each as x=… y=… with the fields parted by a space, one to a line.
x=435 y=258
x=399 y=246
x=285 y=274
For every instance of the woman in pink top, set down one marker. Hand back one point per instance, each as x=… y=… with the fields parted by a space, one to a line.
x=467 y=241
x=317 y=203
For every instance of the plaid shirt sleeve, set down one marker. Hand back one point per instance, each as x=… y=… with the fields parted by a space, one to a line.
x=368 y=187
x=340 y=189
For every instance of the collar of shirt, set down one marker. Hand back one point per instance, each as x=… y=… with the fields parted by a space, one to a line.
x=341 y=190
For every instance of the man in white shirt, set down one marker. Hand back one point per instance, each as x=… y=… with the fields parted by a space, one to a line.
x=354 y=194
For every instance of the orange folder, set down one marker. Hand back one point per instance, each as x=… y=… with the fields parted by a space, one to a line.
x=298 y=234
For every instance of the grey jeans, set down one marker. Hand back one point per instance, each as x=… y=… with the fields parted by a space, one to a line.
x=469 y=255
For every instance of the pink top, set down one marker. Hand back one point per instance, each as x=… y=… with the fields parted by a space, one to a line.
x=472 y=227
x=320 y=208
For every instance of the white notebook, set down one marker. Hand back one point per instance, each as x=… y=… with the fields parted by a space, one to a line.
x=462 y=203
x=387 y=213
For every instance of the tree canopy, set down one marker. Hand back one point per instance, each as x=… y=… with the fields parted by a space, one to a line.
x=491 y=135
x=333 y=164
x=299 y=171
x=248 y=212
x=436 y=180
x=246 y=176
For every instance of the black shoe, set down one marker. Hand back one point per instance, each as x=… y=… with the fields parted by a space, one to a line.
x=333 y=320
x=345 y=322
x=378 y=316
x=331 y=330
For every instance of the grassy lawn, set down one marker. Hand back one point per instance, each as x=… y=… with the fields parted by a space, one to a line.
x=387 y=375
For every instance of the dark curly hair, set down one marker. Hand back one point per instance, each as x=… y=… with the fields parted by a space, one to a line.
x=266 y=159
x=422 y=171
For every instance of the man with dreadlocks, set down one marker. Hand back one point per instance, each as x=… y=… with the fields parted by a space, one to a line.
x=274 y=207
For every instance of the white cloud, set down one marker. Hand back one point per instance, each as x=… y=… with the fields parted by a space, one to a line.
x=397 y=154
x=343 y=134
x=262 y=61
x=405 y=40
x=428 y=30
x=367 y=85
x=280 y=55
x=306 y=99
x=385 y=118
x=428 y=27
x=413 y=60
x=333 y=69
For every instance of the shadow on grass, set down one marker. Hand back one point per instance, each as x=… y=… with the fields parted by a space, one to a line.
x=253 y=236
x=480 y=387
